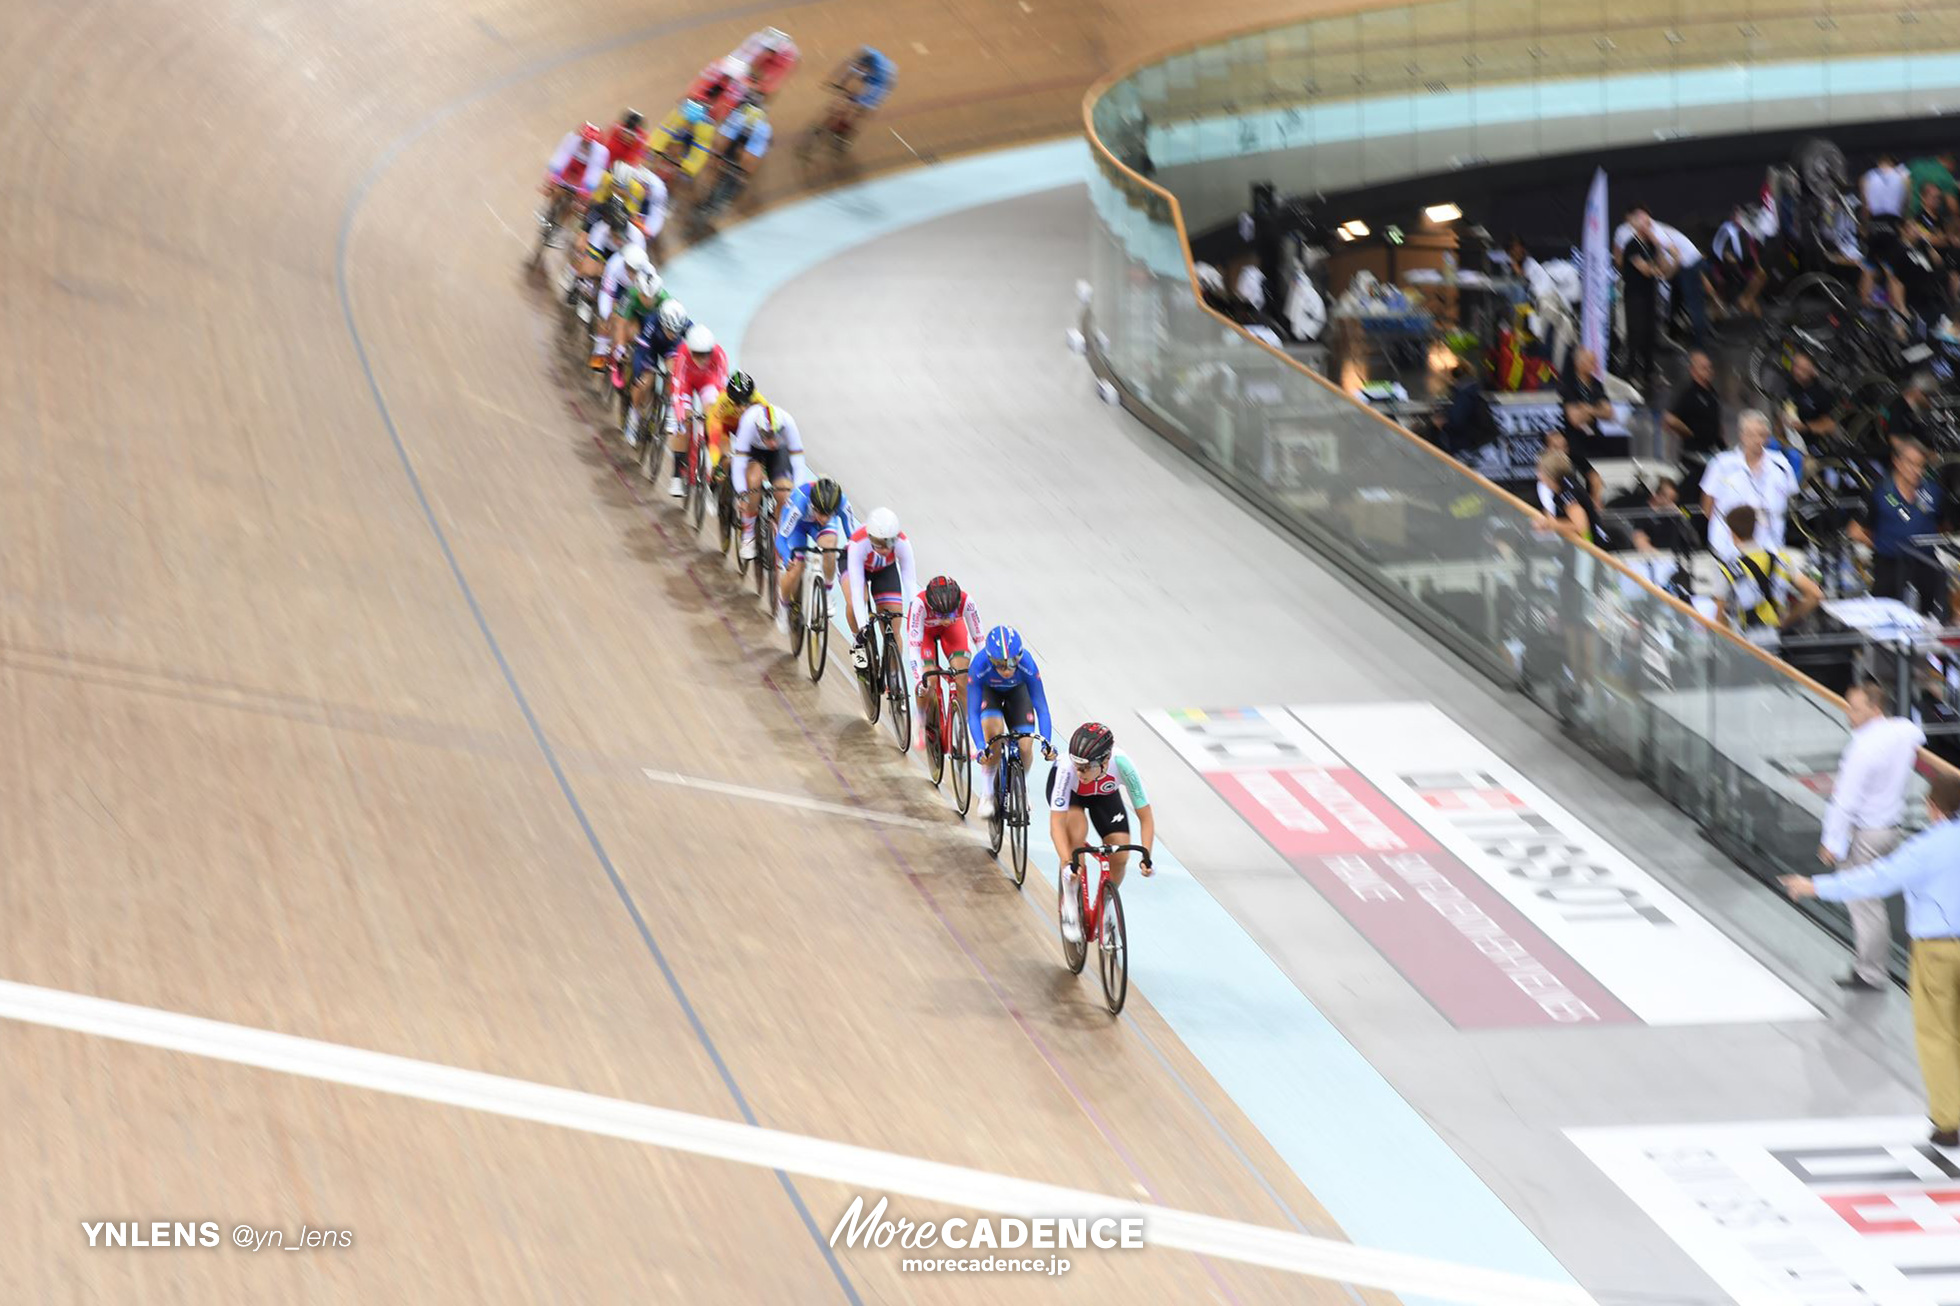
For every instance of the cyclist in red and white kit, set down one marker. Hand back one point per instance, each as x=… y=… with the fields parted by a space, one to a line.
x=627 y=140
x=879 y=572
x=699 y=374
x=578 y=163
x=942 y=628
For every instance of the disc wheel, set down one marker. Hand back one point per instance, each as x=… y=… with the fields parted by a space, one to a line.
x=1073 y=954
x=996 y=824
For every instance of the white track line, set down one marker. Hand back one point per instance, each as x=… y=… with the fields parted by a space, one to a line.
x=790 y=800
x=816 y=1158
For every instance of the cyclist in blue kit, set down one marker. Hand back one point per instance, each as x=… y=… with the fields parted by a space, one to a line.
x=815 y=514
x=1004 y=695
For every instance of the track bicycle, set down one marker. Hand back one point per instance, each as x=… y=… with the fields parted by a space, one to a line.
x=809 y=607
x=1009 y=823
x=943 y=718
x=882 y=679
x=1102 y=920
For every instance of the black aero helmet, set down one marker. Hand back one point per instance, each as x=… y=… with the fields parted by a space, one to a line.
x=741 y=388
x=631 y=120
x=943 y=595
x=1091 y=742
x=825 y=496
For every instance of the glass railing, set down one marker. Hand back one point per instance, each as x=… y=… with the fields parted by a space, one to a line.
x=1733 y=737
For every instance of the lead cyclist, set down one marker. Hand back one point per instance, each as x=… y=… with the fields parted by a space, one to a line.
x=1096 y=783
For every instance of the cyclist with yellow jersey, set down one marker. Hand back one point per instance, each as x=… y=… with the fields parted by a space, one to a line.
x=644 y=193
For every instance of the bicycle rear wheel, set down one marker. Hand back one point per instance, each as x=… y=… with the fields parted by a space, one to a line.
x=1113 y=949
x=961 y=758
x=1073 y=954
x=818 y=646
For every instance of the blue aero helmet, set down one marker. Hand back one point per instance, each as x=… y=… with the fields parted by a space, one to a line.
x=1003 y=649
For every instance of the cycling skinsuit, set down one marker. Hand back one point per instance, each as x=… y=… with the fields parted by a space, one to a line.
x=578 y=163
x=1018 y=699
x=879 y=77
x=690 y=379
x=782 y=460
x=688 y=146
x=1111 y=799
x=927 y=634
x=748 y=131
x=888 y=575
x=796 y=531
x=653 y=342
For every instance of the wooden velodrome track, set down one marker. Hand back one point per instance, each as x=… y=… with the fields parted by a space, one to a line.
x=333 y=652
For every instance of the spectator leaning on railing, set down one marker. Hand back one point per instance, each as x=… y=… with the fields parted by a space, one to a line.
x=1927 y=868
x=1760 y=592
x=1862 y=822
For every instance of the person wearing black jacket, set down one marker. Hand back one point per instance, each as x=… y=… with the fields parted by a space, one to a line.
x=1644 y=263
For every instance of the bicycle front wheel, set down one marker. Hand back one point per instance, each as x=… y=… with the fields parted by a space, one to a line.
x=1113 y=948
x=871 y=679
x=818 y=646
x=1017 y=830
x=961 y=756
x=900 y=699
x=698 y=491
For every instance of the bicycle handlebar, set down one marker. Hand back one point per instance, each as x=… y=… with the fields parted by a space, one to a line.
x=948 y=672
x=1106 y=849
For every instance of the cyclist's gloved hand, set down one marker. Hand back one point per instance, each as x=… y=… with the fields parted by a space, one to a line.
x=1147 y=868
x=1047 y=753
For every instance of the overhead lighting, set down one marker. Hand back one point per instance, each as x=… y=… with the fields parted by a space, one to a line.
x=1355 y=229
x=1441 y=213
x=1344 y=233
x=1394 y=235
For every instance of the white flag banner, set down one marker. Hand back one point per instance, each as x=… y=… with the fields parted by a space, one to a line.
x=1597 y=258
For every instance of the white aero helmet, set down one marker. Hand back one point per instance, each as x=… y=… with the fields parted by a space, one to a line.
x=637 y=261
x=673 y=316
x=700 y=340
x=882 y=525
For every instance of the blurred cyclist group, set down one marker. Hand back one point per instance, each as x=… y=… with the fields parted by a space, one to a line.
x=716 y=426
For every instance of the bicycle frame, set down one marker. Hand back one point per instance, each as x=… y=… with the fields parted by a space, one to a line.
x=1092 y=911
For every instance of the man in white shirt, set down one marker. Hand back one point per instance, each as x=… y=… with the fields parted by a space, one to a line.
x=1751 y=473
x=1862 y=822
x=1883 y=190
